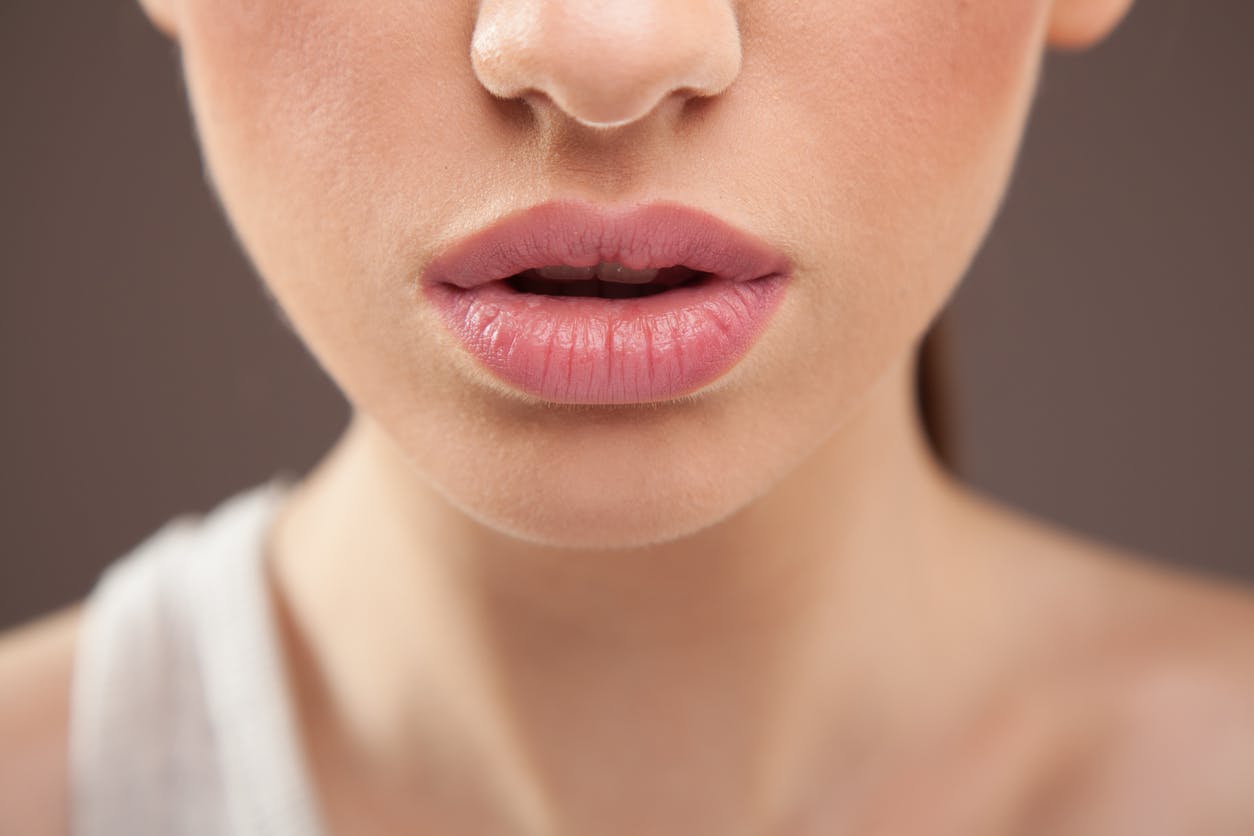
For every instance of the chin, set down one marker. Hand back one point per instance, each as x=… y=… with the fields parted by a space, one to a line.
x=601 y=502
x=591 y=478
x=593 y=526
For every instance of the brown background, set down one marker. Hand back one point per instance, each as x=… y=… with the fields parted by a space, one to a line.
x=1104 y=351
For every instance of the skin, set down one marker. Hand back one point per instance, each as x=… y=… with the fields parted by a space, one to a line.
x=764 y=608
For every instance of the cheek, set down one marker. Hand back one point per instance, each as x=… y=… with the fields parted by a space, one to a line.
x=906 y=119
x=338 y=149
x=939 y=109
x=327 y=131
x=922 y=113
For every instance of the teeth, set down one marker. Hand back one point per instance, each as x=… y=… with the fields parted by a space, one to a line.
x=606 y=272
x=613 y=272
x=563 y=273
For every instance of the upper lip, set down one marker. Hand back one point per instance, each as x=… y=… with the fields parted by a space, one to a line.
x=576 y=233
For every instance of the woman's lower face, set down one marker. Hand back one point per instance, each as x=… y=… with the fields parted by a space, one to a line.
x=868 y=144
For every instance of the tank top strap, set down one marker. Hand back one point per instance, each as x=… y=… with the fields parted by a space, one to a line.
x=180 y=720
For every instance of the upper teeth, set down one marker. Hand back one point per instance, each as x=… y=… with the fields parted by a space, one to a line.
x=606 y=272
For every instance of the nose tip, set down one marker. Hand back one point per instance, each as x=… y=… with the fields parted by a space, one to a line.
x=606 y=63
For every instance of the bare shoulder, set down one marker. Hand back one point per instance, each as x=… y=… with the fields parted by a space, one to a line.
x=1157 y=663
x=1173 y=746
x=1099 y=599
x=1181 y=758
x=1170 y=660
x=36 y=665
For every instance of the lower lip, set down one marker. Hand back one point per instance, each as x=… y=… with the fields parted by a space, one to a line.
x=589 y=350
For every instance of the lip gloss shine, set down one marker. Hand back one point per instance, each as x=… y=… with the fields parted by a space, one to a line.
x=575 y=349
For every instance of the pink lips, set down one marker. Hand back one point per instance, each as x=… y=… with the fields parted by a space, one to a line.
x=574 y=349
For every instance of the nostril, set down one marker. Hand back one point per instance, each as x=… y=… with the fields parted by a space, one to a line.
x=605 y=63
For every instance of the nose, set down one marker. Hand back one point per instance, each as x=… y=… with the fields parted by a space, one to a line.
x=606 y=63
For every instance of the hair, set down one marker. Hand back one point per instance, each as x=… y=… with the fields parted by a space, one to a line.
x=934 y=390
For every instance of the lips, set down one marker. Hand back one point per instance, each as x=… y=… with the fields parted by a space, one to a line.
x=562 y=302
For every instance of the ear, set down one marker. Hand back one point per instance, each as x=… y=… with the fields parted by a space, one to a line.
x=161 y=14
x=1078 y=24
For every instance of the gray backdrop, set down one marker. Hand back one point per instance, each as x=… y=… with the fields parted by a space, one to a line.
x=1103 y=345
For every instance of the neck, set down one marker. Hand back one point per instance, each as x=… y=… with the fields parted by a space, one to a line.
x=715 y=675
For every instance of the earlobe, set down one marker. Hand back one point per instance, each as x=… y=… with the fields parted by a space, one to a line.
x=161 y=14
x=1079 y=24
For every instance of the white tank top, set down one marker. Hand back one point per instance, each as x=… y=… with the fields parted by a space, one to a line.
x=180 y=721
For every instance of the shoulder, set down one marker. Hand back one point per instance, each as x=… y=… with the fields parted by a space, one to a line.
x=1175 y=754
x=1152 y=666
x=36 y=665
x=1171 y=666
x=1185 y=740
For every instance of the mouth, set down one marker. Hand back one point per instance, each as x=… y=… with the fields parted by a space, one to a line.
x=607 y=280
x=573 y=303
